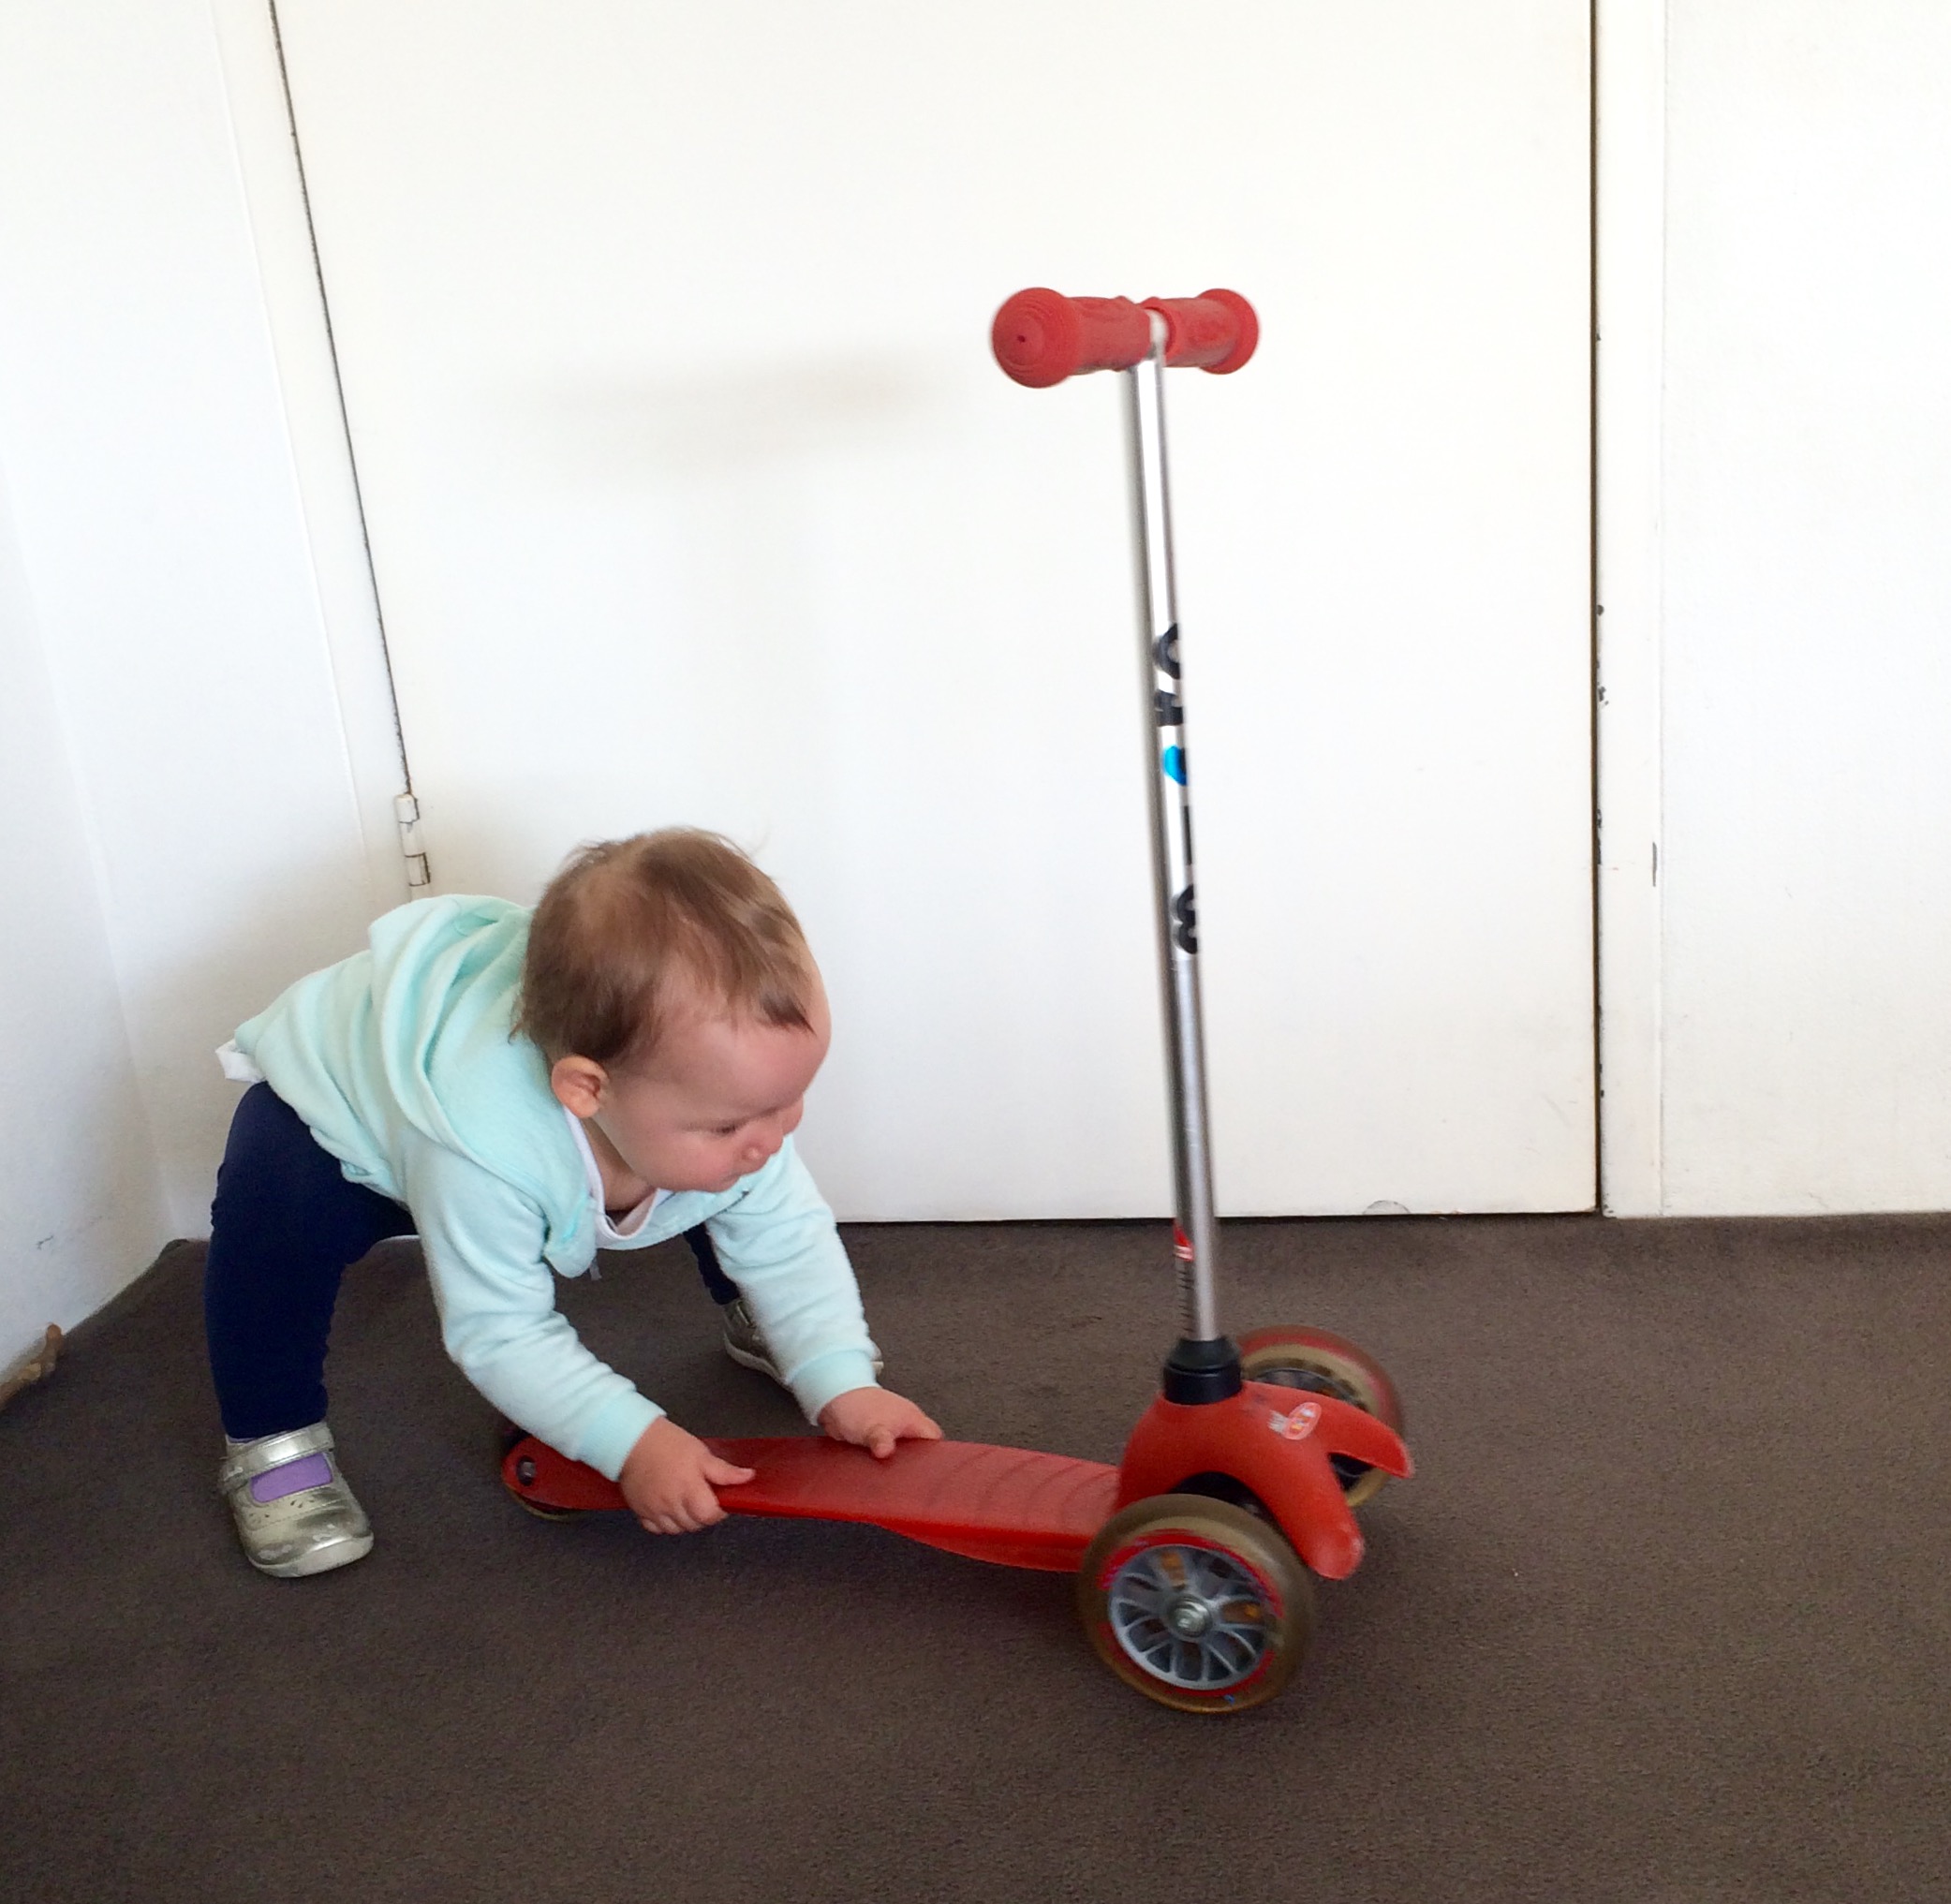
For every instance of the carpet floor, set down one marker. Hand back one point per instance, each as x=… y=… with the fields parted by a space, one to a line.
x=1665 y=1617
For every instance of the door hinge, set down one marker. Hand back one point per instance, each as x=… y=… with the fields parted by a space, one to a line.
x=412 y=847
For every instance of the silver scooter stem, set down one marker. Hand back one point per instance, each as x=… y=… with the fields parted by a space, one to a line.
x=1197 y=1236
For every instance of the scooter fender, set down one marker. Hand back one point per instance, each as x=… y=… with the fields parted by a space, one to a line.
x=1275 y=1441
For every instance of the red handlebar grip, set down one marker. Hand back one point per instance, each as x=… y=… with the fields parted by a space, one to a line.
x=1040 y=336
x=1216 y=331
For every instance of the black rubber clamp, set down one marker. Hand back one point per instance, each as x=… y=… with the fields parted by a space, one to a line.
x=1198 y=1372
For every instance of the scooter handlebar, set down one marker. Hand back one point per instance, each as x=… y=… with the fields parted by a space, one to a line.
x=1040 y=336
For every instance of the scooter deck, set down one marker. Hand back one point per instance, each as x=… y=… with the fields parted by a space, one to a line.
x=1014 y=1506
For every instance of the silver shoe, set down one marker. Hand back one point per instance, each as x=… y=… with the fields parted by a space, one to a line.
x=745 y=1345
x=314 y=1525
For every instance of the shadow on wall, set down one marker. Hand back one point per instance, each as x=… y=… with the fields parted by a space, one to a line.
x=725 y=421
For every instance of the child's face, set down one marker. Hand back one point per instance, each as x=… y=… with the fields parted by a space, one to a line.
x=718 y=1100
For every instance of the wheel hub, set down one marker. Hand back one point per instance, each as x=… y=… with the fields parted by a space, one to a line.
x=1190 y=1617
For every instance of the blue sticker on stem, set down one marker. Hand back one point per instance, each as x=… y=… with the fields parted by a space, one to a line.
x=1175 y=763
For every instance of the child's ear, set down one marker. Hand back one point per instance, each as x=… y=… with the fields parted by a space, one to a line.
x=578 y=1084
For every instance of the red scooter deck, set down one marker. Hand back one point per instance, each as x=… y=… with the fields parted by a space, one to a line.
x=1014 y=1506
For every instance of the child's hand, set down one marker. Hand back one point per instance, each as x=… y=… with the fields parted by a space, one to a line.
x=667 y=1480
x=876 y=1419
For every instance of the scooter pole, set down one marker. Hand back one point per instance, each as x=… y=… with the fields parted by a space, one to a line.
x=1040 y=338
x=1204 y=1363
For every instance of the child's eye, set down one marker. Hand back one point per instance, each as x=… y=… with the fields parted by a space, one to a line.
x=726 y=1129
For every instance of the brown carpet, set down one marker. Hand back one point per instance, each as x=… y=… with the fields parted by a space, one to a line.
x=1663 y=1618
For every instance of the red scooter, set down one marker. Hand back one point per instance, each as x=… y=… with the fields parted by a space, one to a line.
x=1189 y=1554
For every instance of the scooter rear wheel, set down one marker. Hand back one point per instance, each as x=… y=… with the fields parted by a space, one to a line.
x=1196 y=1603
x=1323 y=1363
x=508 y=1435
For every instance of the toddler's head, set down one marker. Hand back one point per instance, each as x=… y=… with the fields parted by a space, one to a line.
x=671 y=991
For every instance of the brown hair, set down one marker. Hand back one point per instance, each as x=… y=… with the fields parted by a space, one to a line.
x=625 y=917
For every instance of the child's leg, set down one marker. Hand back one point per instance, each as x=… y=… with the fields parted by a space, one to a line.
x=718 y=1285
x=283 y=1227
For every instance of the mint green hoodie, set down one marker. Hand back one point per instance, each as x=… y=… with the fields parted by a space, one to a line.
x=404 y=1063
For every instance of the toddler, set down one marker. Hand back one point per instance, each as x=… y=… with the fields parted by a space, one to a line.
x=623 y=1066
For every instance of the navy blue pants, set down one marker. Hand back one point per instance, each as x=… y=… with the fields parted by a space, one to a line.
x=284 y=1227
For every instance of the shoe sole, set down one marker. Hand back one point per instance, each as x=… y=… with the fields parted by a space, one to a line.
x=760 y=1363
x=746 y=1359
x=334 y=1554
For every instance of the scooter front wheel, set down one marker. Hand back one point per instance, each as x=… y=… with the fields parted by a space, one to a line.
x=1323 y=1363
x=1196 y=1602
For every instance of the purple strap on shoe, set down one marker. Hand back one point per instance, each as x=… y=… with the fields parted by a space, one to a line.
x=290 y=1477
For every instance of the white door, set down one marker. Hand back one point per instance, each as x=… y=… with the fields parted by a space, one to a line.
x=695 y=496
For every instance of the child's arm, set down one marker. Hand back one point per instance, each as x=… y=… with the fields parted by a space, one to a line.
x=496 y=1296
x=777 y=1240
x=779 y=1244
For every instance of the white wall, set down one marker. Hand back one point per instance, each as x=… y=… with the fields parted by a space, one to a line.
x=184 y=720
x=1806 y=862
x=80 y=1202
x=188 y=823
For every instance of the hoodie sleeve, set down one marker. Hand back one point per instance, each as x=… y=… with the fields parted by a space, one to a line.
x=779 y=1243
x=496 y=1297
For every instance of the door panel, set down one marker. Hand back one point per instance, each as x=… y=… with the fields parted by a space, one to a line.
x=694 y=496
